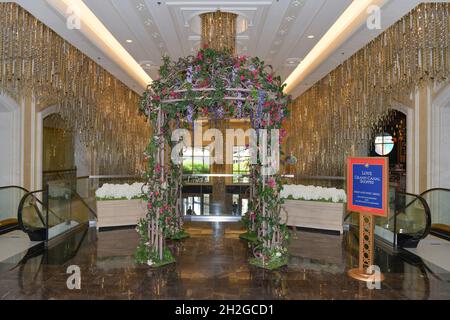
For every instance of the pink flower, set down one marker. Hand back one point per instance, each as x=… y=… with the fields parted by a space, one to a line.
x=158 y=168
x=272 y=183
x=242 y=78
x=269 y=78
x=200 y=56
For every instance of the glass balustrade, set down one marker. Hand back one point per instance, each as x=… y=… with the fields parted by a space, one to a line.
x=66 y=209
x=408 y=220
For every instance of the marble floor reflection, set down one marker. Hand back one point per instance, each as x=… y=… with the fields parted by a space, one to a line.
x=212 y=264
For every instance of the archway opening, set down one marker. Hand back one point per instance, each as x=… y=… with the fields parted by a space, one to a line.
x=390 y=140
x=58 y=150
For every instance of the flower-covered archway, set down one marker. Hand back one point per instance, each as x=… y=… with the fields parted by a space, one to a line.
x=218 y=85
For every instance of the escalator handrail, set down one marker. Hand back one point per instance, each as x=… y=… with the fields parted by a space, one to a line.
x=22 y=202
x=426 y=208
x=20 y=211
x=16 y=187
x=434 y=189
x=425 y=192
x=398 y=211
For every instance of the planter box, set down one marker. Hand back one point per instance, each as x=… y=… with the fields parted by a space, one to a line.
x=114 y=213
x=315 y=214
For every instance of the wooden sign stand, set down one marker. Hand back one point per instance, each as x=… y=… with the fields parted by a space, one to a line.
x=366 y=245
x=366 y=220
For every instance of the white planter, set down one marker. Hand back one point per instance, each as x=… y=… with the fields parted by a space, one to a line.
x=114 y=213
x=315 y=214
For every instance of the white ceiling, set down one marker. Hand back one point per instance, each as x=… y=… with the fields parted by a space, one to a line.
x=277 y=30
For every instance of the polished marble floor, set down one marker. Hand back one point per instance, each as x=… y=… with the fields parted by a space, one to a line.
x=212 y=264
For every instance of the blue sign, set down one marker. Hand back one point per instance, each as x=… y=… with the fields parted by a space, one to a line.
x=367 y=185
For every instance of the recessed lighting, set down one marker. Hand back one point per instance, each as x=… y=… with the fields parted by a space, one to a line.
x=311 y=36
x=129 y=41
x=350 y=20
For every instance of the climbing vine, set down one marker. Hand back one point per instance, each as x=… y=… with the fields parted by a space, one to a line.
x=216 y=85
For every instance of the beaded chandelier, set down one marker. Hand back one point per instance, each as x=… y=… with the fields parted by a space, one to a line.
x=219 y=30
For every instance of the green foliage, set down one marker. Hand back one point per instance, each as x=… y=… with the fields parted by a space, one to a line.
x=250 y=236
x=212 y=84
x=182 y=234
x=271 y=264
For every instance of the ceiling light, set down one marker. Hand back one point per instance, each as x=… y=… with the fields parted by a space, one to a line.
x=129 y=41
x=344 y=27
x=311 y=36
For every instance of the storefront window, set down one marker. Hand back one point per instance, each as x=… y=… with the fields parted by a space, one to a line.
x=196 y=161
x=241 y=163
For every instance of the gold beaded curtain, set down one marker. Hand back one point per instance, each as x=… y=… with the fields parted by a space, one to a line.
x=336 y=117
x=219 y=30
x=34 y=60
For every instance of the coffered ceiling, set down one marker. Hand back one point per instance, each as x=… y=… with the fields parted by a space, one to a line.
x=277 y=30
x=281 y=32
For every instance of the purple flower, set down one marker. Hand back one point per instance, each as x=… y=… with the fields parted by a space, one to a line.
x=219 y=112
x=239 y=106
x=259 y=107
x=190 y=114
x=189 y=74
x=233 y=74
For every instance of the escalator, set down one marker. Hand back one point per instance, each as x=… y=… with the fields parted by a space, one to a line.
x=412 y=218
x=10 y=197
x=438 y=200
x=408 y=221
x=30 y=217
x=43 y=214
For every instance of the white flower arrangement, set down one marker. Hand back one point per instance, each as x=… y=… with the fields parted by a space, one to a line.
x=121 y=191
x=301 y=192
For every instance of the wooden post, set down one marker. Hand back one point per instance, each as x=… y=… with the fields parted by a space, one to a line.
x=366 y=249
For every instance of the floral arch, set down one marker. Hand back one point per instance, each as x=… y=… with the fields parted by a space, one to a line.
x=217 y=85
